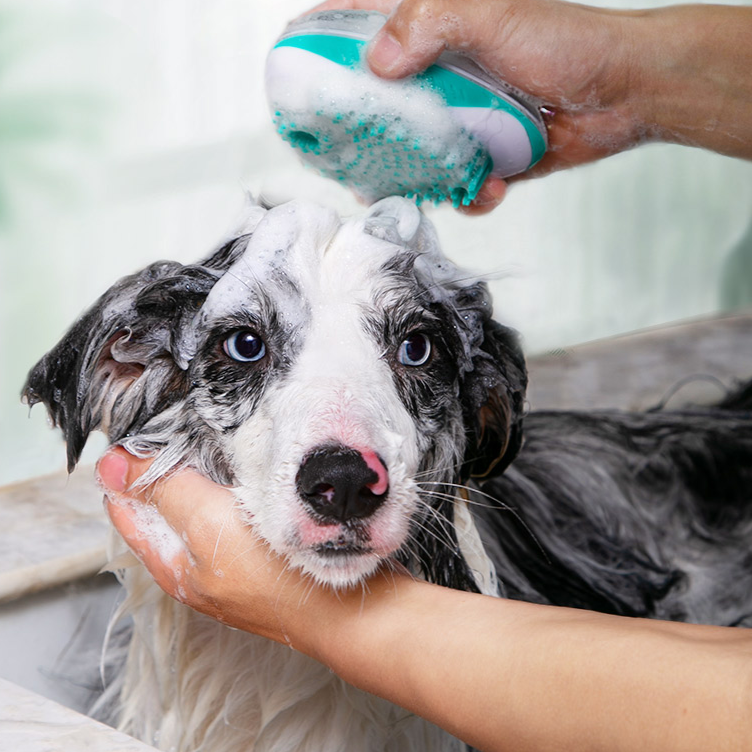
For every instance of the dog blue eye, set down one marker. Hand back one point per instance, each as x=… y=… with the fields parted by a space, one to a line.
x=245 y=346
x=415 y=350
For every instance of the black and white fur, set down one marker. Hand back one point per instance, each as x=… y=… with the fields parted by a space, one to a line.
x=348 y=381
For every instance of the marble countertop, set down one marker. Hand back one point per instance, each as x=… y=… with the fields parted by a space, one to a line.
x=689 y=362
x=53 y=530
x=31 y=723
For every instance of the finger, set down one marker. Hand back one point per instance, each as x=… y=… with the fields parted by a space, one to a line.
x=579 y=138
x=386 y=50
x=490 y=195
x=112 y=471
x=147 y=533
x=418 y=31
x=119 y=473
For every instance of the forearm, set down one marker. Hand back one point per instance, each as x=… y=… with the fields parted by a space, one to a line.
x=504 y=675
x=691 y=69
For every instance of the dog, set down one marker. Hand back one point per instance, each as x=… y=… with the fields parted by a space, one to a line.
x=349 y=383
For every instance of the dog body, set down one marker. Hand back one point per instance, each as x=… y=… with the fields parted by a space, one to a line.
x=346 y=380
x=644 y=515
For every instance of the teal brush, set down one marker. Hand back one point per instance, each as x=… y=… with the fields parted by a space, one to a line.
x=434 y=137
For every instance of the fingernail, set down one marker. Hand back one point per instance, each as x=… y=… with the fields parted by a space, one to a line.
x=385 y=52
x=112 y=471
x=497 y=189
x=490 y=195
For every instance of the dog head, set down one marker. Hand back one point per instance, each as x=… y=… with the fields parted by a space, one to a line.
x=340 y=375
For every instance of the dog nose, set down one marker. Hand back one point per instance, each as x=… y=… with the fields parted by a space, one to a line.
x=341 y=484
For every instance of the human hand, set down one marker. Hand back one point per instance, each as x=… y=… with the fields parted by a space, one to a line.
x=187 y=531
x=608 y=79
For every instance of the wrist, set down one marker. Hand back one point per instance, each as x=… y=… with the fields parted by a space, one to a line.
x=336 y=626
x=658 y=72
x=684 y=86
x=626 y=85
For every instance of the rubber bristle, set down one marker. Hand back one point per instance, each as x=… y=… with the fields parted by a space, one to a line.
x=386 y=157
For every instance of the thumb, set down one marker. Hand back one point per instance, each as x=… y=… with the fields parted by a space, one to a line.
x=414 y=35
x=118 y=471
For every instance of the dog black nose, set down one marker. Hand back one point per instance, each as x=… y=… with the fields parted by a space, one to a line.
x=340 y=484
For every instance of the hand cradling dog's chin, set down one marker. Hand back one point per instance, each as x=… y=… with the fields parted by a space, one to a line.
x=185 y=530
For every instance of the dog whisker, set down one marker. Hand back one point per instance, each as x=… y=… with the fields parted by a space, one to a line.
x=494 y=502
x=441 y=536
x=227 y=516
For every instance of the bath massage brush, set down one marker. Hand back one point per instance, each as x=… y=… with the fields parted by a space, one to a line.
x=435 y=136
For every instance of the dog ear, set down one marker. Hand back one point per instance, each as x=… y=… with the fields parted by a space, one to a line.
x=96 y=376
x=492 y=392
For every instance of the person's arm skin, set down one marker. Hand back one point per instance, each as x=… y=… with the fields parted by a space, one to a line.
x=612 y=78
x=499 y=674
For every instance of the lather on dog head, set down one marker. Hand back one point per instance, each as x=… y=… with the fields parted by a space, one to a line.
x=336 y=373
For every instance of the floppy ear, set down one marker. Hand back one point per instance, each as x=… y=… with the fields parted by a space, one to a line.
x=493 y=398
x=124 y=360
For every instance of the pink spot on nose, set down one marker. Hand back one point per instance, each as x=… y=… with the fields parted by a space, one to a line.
x=381 y=484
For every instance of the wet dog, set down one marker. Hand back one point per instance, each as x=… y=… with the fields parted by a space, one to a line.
x=351 y=385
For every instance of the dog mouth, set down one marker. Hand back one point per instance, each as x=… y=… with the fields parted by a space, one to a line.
x=339 y=541
x=340 y=549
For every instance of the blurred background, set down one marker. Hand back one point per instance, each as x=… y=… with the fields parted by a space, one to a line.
x=131 y=130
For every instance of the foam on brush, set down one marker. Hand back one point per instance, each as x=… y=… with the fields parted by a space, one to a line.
x=383 y=138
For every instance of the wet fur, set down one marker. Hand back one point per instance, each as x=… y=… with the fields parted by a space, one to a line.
x=641 y=515
x=633 y=514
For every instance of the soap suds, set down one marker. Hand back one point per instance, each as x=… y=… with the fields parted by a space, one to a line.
x=155 y=530
x=379 y=137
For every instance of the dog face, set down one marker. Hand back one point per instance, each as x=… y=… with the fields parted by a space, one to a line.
x=339 y=375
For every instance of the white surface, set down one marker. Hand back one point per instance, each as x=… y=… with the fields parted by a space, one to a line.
x=53 y=532
x=31 y=723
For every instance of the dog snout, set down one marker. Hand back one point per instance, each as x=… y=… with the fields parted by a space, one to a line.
x=341 y=483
